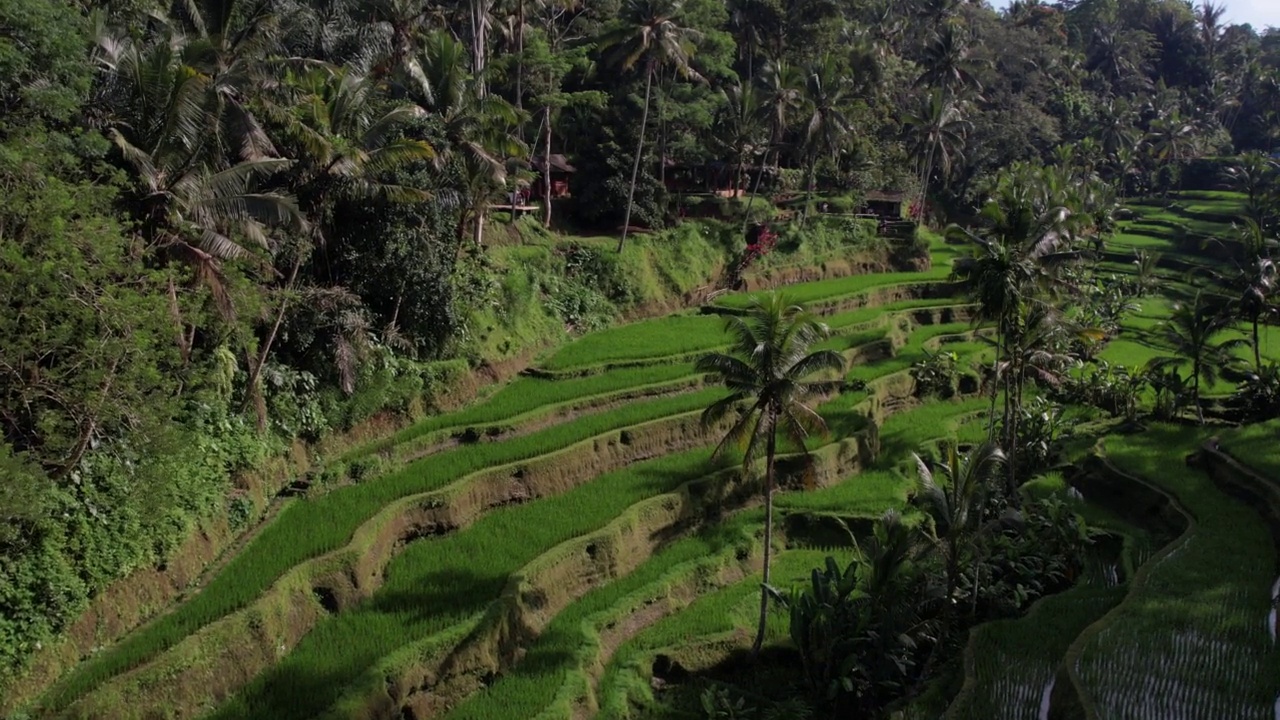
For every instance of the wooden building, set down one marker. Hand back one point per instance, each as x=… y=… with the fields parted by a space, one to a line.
x=885 y=204
x=561 y=171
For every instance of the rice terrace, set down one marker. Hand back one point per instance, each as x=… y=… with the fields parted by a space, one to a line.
x=645 y=359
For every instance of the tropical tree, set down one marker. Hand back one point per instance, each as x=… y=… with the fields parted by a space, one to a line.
x=955 y=495
x=1251 y=287
x=1028 y=232
x=783 y=90
x=949 y=68
x=649 y=35
x=739 y=127
x=1255 y=176
x=1191 y=332
x=938 y=132
x=768 y=372
x=480 y=129
x=825 y=97
x=191 y=202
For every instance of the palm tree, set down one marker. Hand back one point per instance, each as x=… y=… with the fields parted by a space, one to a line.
x=649 y=35
x=939 y=131
x=738 y=128
x=1255 y=176
x=825 y=96
x=767 y=373
x=955 y=506
x=783 y=89
x=480 y=128
x=190 y=202
x=1190 y=332
x=344 y=150
x=950 y=69
x=1028 y=232
x=1253 y=283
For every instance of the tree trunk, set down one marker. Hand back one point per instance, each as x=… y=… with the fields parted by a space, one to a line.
x=635 y=167
x=1195 y=392
x=184 y=347
x=478 y=40
x=1257 y=351
x=1014 y=415
x=520 y=60
x=764 y=160
x=770 y=451
x=255 y=372
x=477 y=232
x=953 y=568
x=808 y=200
x=995 y=387
x=546 y=171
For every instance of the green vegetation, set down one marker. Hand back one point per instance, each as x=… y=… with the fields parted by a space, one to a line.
x=250 y=250
x=436 y=584
x=307 y=530
x=553 y=674
x=1202 y=618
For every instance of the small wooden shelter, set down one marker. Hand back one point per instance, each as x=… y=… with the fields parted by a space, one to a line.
x=561 y=171
x=885 y=204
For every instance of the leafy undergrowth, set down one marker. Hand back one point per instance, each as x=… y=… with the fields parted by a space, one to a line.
x=1193 y=639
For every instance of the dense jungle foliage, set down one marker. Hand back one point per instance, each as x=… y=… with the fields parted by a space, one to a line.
x=229 y=224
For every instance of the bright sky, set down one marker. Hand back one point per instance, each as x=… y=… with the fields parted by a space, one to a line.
x=1259 y=13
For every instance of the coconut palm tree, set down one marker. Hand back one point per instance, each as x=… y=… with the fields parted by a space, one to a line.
x=1255 y=176
x=190 y=201
x=1027 y=233
x=768 y=372
x=954 y=495
x=1191 y=332
x=938 y=133
x=649 y=35
x=950 y=69
x=739 y=127
x=783 y=90
x=481 y=129
x=1251 y=286
x=825 y=97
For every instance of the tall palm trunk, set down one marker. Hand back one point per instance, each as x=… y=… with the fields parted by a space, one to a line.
x=478 y=230
x=546 y=170
x=635 y=167
x=809 y=187
x=1195 y=390
x=770 y=452
x=995 y=384
x=254 y=387
x=764 y=161
x=520 y=60
x=1257 y=351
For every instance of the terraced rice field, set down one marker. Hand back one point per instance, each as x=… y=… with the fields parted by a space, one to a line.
x=529 y=555
x=403 y=573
